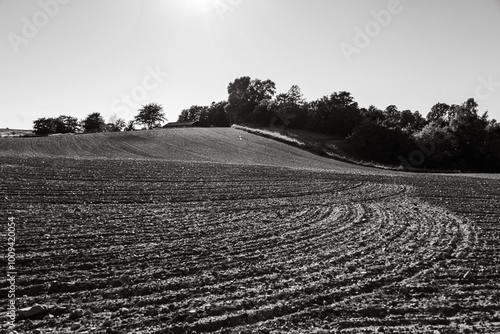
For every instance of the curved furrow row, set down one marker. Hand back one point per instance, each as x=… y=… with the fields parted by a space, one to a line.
x=212 y=248
x=434 y=242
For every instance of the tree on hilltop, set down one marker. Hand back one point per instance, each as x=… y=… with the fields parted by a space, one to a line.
x=62 y=124
x=193 y=113
x=44 y=126
x=94 y=123
x=67 y=124
x=151 y=115
x=246 y=97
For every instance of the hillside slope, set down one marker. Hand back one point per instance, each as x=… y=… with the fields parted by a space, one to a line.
x=216 y=145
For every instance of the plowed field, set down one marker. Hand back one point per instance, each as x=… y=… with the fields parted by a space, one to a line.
x=220 y=231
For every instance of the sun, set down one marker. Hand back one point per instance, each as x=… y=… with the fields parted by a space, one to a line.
x=201 y=5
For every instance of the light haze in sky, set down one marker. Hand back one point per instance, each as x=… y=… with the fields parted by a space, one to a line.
x=75 y=57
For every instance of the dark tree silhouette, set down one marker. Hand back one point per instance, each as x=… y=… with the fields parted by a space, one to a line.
x=151 y=115
x=44 y=126
x=94 y=123
x=67 y=124
x=245 y=96
x=62 y=124
x=193 y=113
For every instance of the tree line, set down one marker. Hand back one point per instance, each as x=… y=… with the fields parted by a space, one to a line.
x=150 y=116
x=450 y=137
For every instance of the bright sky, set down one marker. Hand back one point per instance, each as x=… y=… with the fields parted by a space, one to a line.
x=75 y=57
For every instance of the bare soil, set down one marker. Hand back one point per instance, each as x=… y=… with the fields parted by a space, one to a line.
x=221 y=231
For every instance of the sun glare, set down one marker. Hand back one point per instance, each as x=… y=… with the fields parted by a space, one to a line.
x=201 y=5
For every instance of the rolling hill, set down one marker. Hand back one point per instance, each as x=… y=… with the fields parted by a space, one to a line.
x=215 y=145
